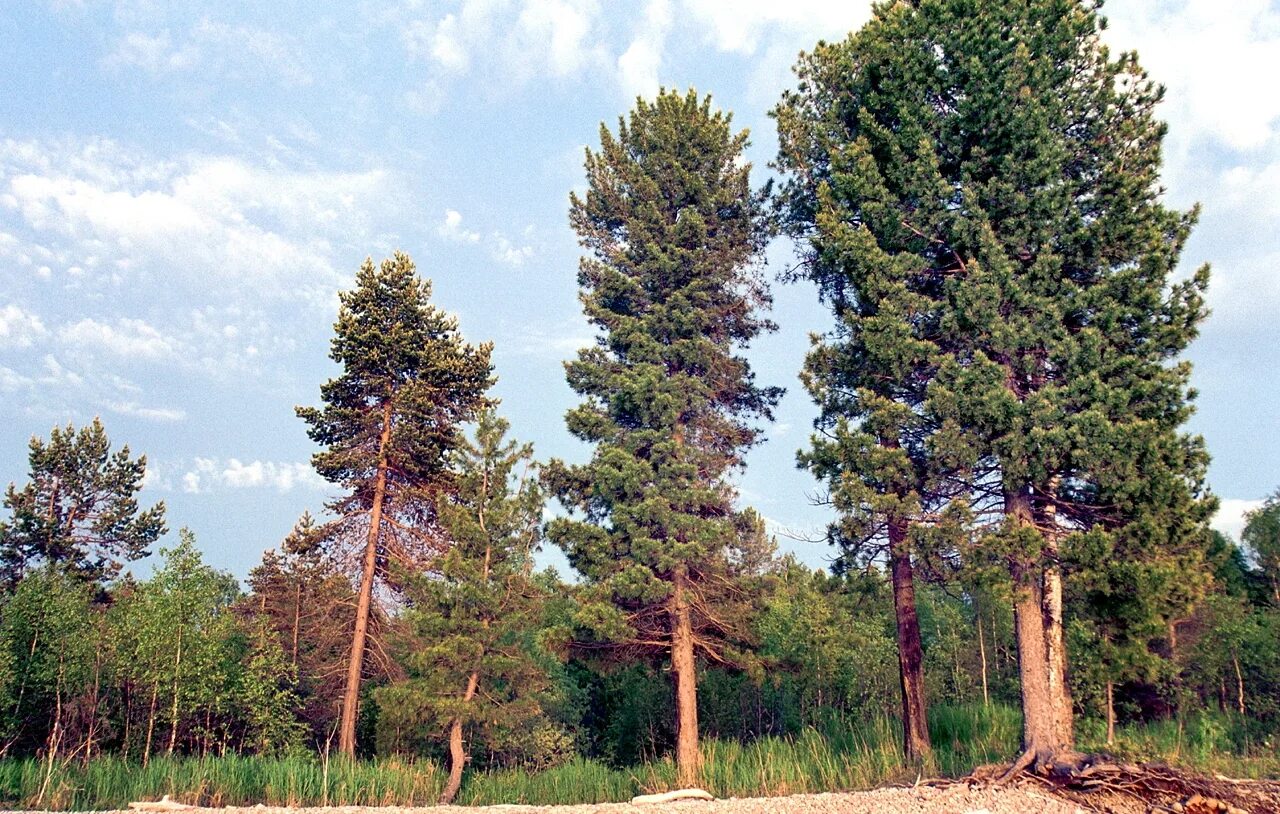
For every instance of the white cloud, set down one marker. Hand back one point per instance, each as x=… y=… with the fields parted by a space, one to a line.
x=101 y=211
x=211 y=47
x=504 y=251
x=1219 y=66
x=1230 y=517
x=638 y=66
x=516 y=41
x=127 y=337
x=132 y=408
x=451 y=228
x=740 y=26
x=19 y=328
x=209 y=473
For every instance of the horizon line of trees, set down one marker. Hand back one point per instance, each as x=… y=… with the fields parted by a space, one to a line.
x=1002 y=403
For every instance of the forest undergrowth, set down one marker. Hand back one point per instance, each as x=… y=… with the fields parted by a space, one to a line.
x=849 y=755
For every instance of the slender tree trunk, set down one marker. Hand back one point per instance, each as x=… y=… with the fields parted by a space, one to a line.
x=151 y=724
x=1235 y=662
x=297 y=620
x=173 y=714
x=364 y=602
x=1111 y=713
x=1045 y=733
x=458 y=755
x=915 y=723
x=683 y=668
x=982 y=653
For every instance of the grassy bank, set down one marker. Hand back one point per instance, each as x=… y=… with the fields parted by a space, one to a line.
x=855 y=755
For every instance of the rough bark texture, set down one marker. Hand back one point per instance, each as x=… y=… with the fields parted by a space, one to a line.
x=364 y=601
x=1111 y=713
x=915 y=723
x=684 y=672
x=1046 y=731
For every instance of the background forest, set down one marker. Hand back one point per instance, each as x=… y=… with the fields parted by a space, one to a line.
x=1022 y=558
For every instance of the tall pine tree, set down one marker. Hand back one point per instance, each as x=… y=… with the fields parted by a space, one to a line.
x=675 y=235
x=390 y=421
x=997 y=157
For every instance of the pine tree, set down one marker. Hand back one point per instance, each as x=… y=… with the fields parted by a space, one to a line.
x=389 y=423
x=469 y=654
x=305 y=598
x=80 y=509
x=675 y=234
x=996 y=158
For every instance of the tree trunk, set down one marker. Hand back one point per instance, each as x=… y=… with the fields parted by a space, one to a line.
x=683 y=669
x=151 y=724
x=1111 y=713
x=982 y=653
x=915 y=723
x=1235 y=662
x=364 y=602
x=173 y=713
x=458 y=755
x=1055 y=644
x=1046 y=732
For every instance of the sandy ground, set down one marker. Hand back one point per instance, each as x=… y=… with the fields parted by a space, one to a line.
x=920 y=800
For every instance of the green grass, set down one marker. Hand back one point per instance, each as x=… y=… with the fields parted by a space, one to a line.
x=856 y=754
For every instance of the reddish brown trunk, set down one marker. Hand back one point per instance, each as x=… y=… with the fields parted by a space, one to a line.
x=364 y=602
x=915 y=723
x=1051 y=607
x=683 y=668
x=457 y=754
x=1046 y=731
x=1235 y=662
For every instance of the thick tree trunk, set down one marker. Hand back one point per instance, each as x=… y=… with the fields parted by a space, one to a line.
x=1055 y=644
x=915 y=723
x=364 y=601
x=683 y=669
x=1046 y=731
x=458 y=755
x=1111 y=713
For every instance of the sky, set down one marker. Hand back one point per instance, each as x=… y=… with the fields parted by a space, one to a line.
x=184 y=188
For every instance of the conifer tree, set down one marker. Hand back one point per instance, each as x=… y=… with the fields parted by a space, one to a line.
x=675 y=235
x=468 y=653
x=80 y=509
x=304 y=597
x=1262 y=534
x=390 y=421
x=996 y=157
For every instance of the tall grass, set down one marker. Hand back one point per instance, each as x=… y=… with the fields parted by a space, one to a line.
x=842 y=755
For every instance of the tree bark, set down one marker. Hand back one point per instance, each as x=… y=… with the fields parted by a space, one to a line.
x=458 y=755
x=364 y=602
x=683 y=668
x=1046 y=731
x=1055 y=644
x=982 y=653
x=915 y=723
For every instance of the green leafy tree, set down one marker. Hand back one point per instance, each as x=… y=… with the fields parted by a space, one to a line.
x=469 y=654
x=1262 y=535
x=675 y=235
x=177 y=642
x=997 y=161
x=49 y=643
x=389 y=423
x=80 y=508
x=266 y=696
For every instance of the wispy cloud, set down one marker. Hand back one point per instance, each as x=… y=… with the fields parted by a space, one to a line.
x=210 y=47
x=207 y=474
x=19 y=328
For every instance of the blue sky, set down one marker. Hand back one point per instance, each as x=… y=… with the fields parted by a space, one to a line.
x=185 y=187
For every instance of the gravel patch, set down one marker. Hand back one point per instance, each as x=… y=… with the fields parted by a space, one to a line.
x=956 y=799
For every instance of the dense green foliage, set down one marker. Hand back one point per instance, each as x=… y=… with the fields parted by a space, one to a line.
x=1019 y=518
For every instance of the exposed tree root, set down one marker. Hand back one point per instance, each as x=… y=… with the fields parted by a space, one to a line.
x=1095 y=783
